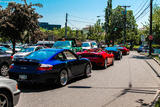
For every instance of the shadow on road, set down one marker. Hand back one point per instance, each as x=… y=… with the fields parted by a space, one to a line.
x=41 y=87
x=125 y=90
x=140 y=57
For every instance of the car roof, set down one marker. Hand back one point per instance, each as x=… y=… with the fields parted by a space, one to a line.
x=53 y=49
x=111 y=48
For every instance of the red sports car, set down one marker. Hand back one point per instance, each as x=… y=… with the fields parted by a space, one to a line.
x=98 y=57
x=124 y=50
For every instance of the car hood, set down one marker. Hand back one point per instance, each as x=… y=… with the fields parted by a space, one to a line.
x=22 y=53
x=9 y=51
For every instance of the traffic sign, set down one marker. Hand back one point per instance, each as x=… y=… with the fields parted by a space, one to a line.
x=142 y=38
x=150 y=37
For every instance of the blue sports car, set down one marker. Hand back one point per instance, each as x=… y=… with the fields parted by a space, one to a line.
x=117 y=53
x=56 y=65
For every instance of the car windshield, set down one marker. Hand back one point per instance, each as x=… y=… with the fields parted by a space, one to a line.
x=4 y=49
x=41 y=55
x=93 y=43
x=27 y=50
x=62 y=44
x=85 y=45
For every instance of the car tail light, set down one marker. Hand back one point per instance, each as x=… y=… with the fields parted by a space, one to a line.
x=45 y=67
x=11 y=57
x=11 y=66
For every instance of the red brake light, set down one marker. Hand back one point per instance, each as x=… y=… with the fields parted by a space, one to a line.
x=11 y=66
x=11 y=57
x=45 y=67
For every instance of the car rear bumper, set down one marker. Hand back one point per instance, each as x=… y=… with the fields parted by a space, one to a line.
x=39 y=78
x=16 y=96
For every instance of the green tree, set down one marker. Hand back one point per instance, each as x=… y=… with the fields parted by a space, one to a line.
x=17 y=19
x=116 y=25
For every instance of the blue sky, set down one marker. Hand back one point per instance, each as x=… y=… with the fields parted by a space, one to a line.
x=54 y=11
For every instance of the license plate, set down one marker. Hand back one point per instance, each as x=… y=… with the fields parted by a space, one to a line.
x=23 y=77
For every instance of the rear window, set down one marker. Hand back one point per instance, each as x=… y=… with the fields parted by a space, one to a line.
x=41 y=55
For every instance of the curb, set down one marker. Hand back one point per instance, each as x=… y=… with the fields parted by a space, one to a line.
x=158 y=62
x=156 y=98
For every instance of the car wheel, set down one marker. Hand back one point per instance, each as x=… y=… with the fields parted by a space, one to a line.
x=88 y=71
x=63 y=78
x=112 y=62
x=105 y=63
x=5 y=99
x=4 y=70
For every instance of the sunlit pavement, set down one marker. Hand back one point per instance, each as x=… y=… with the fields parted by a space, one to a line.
x=131 y=82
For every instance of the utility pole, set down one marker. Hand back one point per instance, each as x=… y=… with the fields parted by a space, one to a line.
x=125 y=20
x=150 y=37
x=66 y=25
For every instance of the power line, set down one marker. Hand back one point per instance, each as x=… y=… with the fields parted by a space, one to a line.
x=141 y=8
x=73 y=25
x=142 y=12
x=137 y=9
x=81 y=21
x=144 y=15
x=80 y=17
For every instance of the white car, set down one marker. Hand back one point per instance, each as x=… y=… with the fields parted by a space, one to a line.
x=86 y=45
x=9 y=92
x=94 y=44
x=26 y=51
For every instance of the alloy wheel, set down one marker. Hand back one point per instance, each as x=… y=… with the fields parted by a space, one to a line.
x=63 y=78
x=4 y=70
x=88 y=71
x=3 y=100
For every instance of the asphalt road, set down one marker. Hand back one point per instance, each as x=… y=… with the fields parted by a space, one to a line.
x=131 y=82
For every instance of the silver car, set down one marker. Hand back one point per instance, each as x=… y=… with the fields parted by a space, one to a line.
x=9 y=92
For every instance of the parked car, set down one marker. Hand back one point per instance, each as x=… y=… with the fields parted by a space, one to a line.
x=5 y=62
x=117 y=53
x=98 y=57
x=140 y=49
x=7 y=50
x=9 y=92
x=47 y=44
x=26 y=51
x=86 y=45
x=124 y=50
x=55 y=65
x=67 y=45
x=94 y=44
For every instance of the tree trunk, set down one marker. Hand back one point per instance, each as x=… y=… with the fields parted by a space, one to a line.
x=14 y=45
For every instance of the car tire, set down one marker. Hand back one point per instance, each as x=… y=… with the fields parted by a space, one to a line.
x=105 y=63
x=5 y=99
x=4 y=70
x=87 y=72
x=112 y=62
x=63 y=78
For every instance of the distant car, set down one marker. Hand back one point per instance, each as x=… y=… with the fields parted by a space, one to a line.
x=124 y=50
x=98 y=57
x=47 y=44
x=54 y=65
x=94 y=44
x=140 y=49
x=9 y=92
x=86 y=45
x=26 y=51
x=117 y=53
x=67 y=44
x=7 y=50
x=5 y=62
